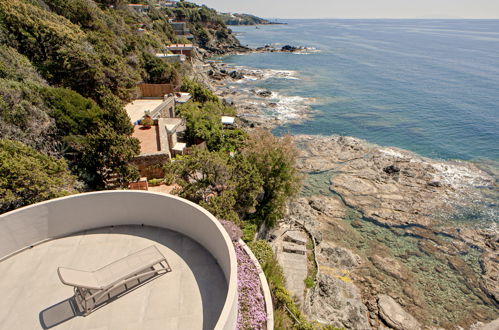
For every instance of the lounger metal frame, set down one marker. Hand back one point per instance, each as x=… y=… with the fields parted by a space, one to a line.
x=89 y=299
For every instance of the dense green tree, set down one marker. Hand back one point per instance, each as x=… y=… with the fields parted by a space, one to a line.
x=274 y=158
x=24 y=116
x=73 y=113
x=27 y=176
x=226 y=186
x=199 y=93
x=17 y=67
x=103 y=158
x=160 y=72
x=203 y=121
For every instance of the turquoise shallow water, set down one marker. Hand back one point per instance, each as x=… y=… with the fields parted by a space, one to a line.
x=429 y=86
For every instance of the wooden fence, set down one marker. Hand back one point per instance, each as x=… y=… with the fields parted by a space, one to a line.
x=156 y=90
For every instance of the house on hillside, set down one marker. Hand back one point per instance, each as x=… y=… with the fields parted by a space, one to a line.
x=181 y=29
x=139 y=8
x=166 y=3
x=172 y=58
x=183 y=49
x=158 y=144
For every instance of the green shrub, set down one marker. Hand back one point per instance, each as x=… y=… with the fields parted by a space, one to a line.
x=155 y=182
x=160 y=72
x=262 y=251
x=226 y=186
x=27 y=176
x=147 y=121
x=309 y=282
x=274 y=159
x=199 y=93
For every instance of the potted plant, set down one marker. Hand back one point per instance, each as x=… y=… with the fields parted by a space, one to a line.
x=147 y=122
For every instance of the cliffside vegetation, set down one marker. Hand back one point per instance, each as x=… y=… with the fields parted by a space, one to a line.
x=28 y=176
x=242 y=177
x=68 y=67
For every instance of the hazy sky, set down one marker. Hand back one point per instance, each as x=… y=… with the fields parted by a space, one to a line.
x=360 y=8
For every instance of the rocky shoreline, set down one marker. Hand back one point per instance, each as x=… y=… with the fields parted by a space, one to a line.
x=385 y=233
x=257 y=107
x=392 y=246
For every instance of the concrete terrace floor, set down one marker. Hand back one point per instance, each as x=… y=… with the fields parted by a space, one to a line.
x=191 y=296
x=136 y=109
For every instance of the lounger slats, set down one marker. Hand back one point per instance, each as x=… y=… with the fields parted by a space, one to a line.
x=128 y=266
x=91 y=286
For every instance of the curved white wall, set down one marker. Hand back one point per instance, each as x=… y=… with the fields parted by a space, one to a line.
x=36 y=223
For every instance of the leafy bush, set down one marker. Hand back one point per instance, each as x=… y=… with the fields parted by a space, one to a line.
x=199 y=93
x=262 y=251
x=203 y=121
x=73 y=113
x=249 y=231
x=102 y=155
x=160 y=72
x=274 y=159
x=27 y=176
x=228 y=187
x=155 y=182
x=17 y=67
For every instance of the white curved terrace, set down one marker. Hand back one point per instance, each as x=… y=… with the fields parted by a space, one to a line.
x=88 y=231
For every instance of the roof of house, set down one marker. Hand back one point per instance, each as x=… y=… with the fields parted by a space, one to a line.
x=180 y=46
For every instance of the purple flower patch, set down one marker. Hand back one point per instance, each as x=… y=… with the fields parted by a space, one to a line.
x=252 y=314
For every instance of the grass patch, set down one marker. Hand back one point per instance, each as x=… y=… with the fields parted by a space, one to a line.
x=311 y=265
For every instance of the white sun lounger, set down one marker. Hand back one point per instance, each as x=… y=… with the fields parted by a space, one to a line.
x=92 y=287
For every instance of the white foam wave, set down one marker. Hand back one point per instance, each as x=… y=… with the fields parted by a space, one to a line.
x=251 y=74
x=289 y=107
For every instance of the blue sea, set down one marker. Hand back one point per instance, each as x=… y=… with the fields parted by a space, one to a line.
x=429 y=86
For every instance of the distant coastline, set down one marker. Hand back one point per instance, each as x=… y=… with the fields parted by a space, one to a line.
x=234 y=19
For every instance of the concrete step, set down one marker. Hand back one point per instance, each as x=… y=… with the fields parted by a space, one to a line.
x=294 y=248
x=296 y=237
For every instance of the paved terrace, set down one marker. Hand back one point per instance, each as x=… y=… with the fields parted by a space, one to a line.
x=149 y=139
x=136 y=109
x=191 y=296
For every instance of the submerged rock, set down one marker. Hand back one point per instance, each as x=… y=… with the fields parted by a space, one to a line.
x=394 y=315
x=400 y=230
x=265 y=93
x=289 y=48
x=236 y=75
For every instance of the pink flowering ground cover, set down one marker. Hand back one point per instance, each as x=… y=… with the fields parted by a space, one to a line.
x=252 y=313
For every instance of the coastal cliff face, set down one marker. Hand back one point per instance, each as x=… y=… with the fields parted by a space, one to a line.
x=386 y=224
